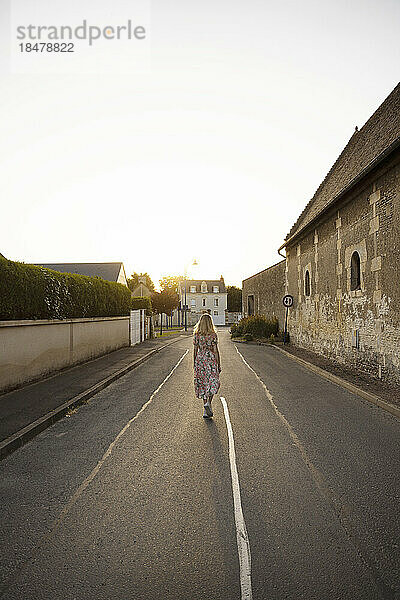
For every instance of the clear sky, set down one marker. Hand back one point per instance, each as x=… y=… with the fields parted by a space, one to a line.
x=210 y=149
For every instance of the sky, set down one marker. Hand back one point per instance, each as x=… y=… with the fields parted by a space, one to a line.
x=205 y=140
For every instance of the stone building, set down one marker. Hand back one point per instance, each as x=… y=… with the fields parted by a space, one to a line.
x=262 y=293
x=343 y=253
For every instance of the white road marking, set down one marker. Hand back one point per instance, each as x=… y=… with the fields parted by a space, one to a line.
x=107 y=453
x=242 y=538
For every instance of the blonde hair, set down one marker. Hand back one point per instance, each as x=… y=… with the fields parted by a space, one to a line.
x=204 y=325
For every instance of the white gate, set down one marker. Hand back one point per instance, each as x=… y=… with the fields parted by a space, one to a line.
x=139 y=326
x=134 y=327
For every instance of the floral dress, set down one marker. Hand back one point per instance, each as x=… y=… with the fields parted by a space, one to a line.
x=206 y=375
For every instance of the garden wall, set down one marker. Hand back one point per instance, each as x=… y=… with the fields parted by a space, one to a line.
x=30 y=350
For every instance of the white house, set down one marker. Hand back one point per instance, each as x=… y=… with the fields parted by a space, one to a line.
x=205 y=296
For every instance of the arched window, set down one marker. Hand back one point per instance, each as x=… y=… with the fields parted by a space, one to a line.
x=307 y=287
x=355 y=272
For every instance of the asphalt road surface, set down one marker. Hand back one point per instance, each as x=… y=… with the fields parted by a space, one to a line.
x=289 y=492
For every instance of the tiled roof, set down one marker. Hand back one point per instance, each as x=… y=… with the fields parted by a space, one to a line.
x=210 y=283
x=364 y=147
x=107 y=271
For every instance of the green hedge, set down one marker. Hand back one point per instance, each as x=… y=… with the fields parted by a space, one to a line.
x=258 y=326
x=139 y=302
x=30 y=292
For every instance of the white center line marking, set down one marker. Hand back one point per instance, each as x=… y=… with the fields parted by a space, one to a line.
x=242 y=538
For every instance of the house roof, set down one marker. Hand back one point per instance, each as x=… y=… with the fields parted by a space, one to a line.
x=365 y=148
x=141 y=289
x=107 y=271
x=210 y=283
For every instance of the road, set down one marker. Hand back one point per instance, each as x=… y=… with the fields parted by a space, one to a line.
x=134 y=496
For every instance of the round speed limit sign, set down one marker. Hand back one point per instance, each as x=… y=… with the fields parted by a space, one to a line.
x=287 y=300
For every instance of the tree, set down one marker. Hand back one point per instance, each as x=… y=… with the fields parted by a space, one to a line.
x=171 y=283
x=133 y=281
x=234 y=298
x=164 y=302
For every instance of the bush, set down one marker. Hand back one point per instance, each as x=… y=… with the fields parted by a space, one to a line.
x=248 y=337
x=239 y=328
x=30 y=292
x=139 y=302
x=259 y=326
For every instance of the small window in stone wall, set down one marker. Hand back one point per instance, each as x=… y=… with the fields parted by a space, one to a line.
x=307 y=286
x=355 y=272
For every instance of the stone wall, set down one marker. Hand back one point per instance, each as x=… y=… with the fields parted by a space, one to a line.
x=267 y=288
x=359 y=327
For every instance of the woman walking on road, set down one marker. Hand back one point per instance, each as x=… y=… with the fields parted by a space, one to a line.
x=207 y=362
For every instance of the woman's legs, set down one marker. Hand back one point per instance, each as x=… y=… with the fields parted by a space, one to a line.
x=207 y=407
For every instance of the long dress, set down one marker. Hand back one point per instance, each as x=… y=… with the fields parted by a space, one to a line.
x=206 y=375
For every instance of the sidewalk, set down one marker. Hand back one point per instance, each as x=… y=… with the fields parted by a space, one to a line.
x=27 y=411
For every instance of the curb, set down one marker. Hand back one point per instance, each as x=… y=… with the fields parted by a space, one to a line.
x=18 y=439
x=394 y=410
